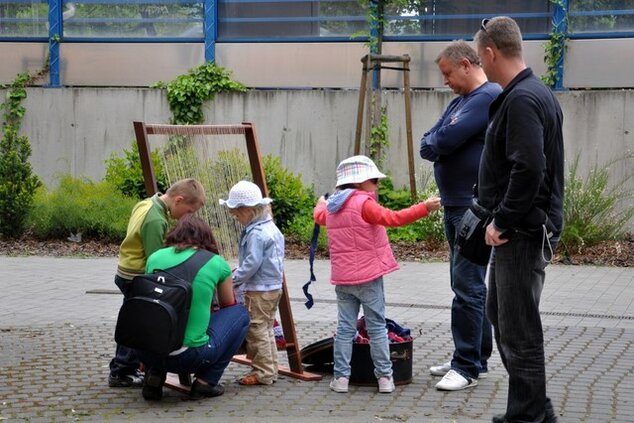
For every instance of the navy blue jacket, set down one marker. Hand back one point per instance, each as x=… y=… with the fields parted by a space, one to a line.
x=455 y=143
x=522 y=168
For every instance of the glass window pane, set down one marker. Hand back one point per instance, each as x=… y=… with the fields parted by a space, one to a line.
x=587 y=16
x=345 y=18
x=289 y=19
x=24 y=18
x=149 y=19
x=450 y=18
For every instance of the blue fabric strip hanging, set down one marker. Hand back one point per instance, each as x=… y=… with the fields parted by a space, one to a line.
x=311 y=260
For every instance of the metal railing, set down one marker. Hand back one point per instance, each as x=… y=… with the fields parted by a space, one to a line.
x=235 y=21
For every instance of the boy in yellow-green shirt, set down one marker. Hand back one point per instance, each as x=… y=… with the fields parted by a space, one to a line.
x=146 y=231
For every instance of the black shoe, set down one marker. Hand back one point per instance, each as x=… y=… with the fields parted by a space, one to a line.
x=549 y=416
x=153 y=385
x=200 y=390
x=499 y=418
x=134 y=380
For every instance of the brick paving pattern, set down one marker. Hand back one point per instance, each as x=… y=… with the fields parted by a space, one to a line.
x=57 y=319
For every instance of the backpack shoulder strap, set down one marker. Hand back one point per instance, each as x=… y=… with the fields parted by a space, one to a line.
x=188 y=269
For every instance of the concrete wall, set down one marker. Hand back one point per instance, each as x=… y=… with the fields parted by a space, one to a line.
x=592 y=63
x=75 y=129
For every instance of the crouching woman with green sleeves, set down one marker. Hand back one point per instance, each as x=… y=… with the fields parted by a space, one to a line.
x=211 y=339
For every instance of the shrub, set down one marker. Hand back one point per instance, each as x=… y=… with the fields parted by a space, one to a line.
x=301 y=230
x=17 y=181
x=126 y=175
x=290 y=196
x=429 y=229
x=96 y=210
x=594 y=211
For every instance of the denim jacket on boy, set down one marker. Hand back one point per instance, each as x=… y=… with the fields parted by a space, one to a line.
x=260 y=257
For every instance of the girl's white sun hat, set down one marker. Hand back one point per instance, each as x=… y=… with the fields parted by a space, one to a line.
x=245 y=194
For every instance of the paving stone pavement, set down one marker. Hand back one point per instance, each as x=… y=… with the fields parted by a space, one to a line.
x=57 y=318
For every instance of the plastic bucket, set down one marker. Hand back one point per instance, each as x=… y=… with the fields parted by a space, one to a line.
x=362 y=372
x=319 y=356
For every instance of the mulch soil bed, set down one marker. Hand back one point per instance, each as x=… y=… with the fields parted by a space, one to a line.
x=608 y=253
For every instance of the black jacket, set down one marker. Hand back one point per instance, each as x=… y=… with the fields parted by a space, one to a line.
x=521 y=177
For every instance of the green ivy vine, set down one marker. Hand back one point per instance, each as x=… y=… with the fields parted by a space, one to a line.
x=374 y=19
x=188 y=93
x=379 y=141
x=554 y=50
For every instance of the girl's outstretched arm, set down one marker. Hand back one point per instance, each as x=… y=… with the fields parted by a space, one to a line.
x=376 y=214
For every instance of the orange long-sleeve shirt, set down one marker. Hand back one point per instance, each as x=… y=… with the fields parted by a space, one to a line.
x=376 y=214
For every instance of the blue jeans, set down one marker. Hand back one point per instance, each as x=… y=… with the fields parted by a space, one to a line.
x=516 y=280
x=470 y=327
x=227 y=330
x=126 y=360
x=371 y=296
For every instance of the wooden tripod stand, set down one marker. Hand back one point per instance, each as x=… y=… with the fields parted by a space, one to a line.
x=377 y=61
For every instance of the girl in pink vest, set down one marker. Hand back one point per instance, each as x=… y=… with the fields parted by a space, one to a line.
x=360 y=254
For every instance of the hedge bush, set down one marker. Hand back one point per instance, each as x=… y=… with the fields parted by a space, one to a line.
x=430 y=229
x=17 y=183
x=95 y=209
x=126 y=175
x=290 y=197
x=594 y=209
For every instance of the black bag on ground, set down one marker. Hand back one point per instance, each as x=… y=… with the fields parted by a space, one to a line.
x=155 y=310
x=470 y=235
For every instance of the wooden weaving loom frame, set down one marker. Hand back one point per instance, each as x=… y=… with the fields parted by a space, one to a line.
x=142 y=131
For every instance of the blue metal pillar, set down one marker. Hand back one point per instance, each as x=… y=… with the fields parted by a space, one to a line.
x=560 y=26
x=55 y=29
x=210 y=26
x=374 y=35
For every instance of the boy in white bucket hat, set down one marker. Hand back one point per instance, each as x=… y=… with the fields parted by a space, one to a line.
x=258 y=276
x=360 y=254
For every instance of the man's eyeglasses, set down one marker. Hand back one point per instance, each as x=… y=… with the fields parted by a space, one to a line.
x=483 y=25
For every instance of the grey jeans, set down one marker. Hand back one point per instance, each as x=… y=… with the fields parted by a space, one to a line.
x=517 y=273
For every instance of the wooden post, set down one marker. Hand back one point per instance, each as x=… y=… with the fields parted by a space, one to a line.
x=286 y=314
x=149 y=178
x=408 y=127
x=362 y=88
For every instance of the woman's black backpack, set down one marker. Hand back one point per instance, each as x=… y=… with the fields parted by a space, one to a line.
x=155 y=310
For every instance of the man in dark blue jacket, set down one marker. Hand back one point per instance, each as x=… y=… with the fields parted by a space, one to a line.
x=521 y=180
x=454 y=144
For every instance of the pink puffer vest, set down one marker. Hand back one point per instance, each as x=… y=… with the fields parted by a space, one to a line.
x=359 y=252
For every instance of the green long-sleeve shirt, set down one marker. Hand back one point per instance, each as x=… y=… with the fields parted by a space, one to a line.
x=146 y=233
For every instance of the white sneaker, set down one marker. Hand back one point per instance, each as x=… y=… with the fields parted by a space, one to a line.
x=339 y=384
x=483 y=374
x=386 y=384
x=454 y=381
x=441 y=369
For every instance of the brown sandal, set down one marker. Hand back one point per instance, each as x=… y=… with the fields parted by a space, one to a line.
x=249 y=380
